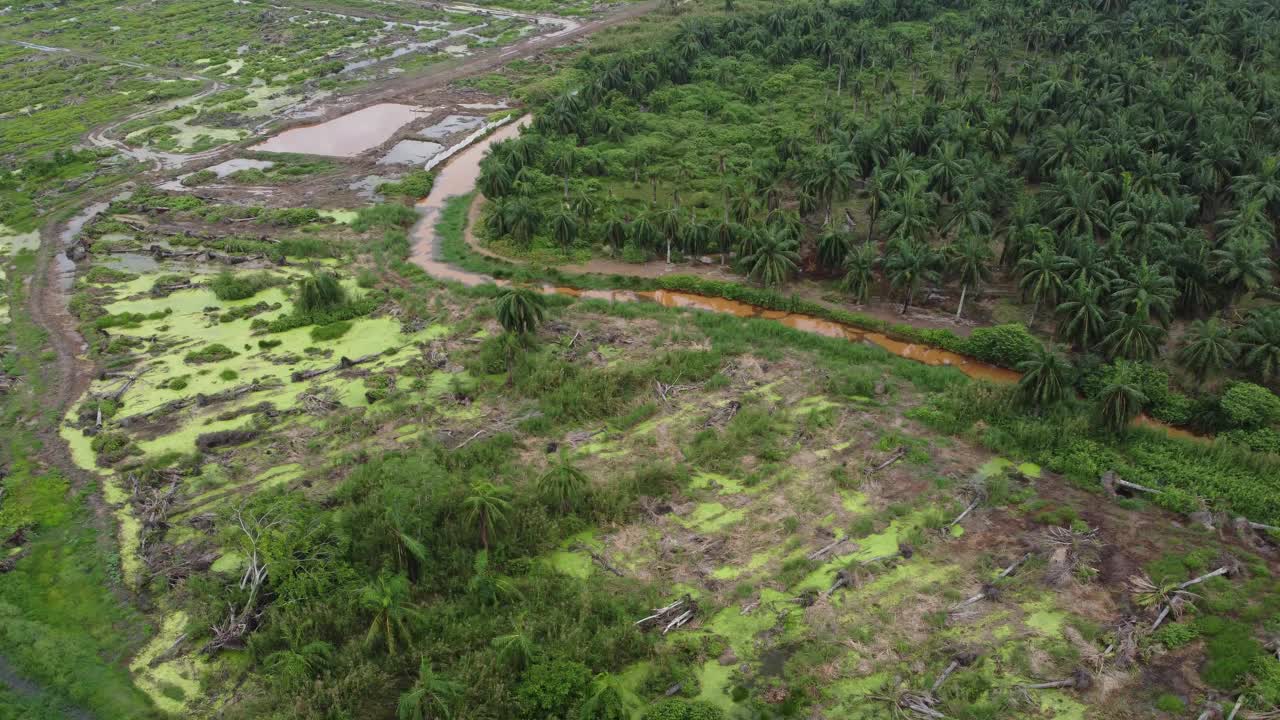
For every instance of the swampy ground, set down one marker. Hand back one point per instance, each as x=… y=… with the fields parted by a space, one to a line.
x=276 y=445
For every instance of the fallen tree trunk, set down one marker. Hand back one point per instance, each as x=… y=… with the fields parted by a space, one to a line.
x=895 y=457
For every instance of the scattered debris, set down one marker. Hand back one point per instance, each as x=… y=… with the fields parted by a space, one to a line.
x=671 y=617
x=897 y=455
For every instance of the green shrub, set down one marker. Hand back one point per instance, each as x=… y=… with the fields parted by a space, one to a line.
x=331 y=331
x=1246 y=405
x=1232 y=652
x=1004 y=345
x=1170 y=703
x=387 y=215
x=416 y=184
x=1175 y=635
x=552 y=689
x=228 y=374
x=268 y=344
x=677 y=709
x=215 y=352
x=230 y=286
x=320 y=292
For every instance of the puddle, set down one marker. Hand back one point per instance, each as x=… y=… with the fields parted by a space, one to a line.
x=451 y=125
x=224 y=169
x=347 y=135
x=367 y=187
x=411 y=152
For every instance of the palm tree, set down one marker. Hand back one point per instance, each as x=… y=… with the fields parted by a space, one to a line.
x=1131 y=336
x=643 y=232
x=516 y=649
x=320 y=291
x=1046 y=377
x=1207 y=347
x=833 y=246
x=1120 y=402
x=969 y=260
x=829 y=177
x=519 y=310
x=774 y=257
x=909 y=263
x=432 y=695
x=1041 y=277
x=859 y=271
x=1084 y=316
x=1260 y=344
x=615 y=228
x=387 y=598
x=563 y=484
x=486 y=506
x=1148 y=292
x=564 y=226
x=1241 y=266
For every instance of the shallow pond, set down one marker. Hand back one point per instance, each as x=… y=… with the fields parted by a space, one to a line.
x=410 y=152
x=347 y=135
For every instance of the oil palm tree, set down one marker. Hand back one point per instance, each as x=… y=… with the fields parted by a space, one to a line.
x=563 y=484
x=564 y=226
x=516 y=649
x=1241 y=266
x=833 y=247
x=774 y=257
x=519 y=310
x=1083 y=316
x=1046 y=377
x=1132 y=336
x=1148 y=292
x=907 y=264
x=432 y=695
x=1207 y=348
x=859 y=271
x=387 y=600
x=969 y=260
x=486 y=506
x=1041 y=277
x=1260 y=344
x=1120 y=402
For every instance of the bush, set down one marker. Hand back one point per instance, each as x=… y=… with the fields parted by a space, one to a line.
x=1004 y=345
x=1246 y=405
x=675 y=709
x=554 y=688
x=1170 y=703
x=416 y=184
x=320 y=292
x=387 y=215
x=1232 y=652
x=1175 y=635
x=331 y=331
x=229 y=286
x=210 y=353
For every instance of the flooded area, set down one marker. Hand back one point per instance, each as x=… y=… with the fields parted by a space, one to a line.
x=347 y=135
x=411 y=152
x=228 y=167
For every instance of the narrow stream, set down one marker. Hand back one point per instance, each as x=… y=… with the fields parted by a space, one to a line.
x=459 y=176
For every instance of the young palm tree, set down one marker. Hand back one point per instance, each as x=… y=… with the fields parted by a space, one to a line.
x=516 y=649
x=387 y=599
x=615 y=228
x=320 y=291
x=833 y=246
x=774 y=257
x=563 y=484
x=969 y=260
x=859 y=271
x=643 y=232
x=564 y=226
x=432 y=696
x=1207 y=348
x=1046 y=377
x=1041 y=277
x=1120 y=402
x=908 y=264
x=519 y=310
x=487 y=507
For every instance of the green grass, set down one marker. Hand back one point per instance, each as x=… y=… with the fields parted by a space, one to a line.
x=61 y=624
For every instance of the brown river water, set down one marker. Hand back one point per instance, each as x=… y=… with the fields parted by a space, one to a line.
x=459 y=176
